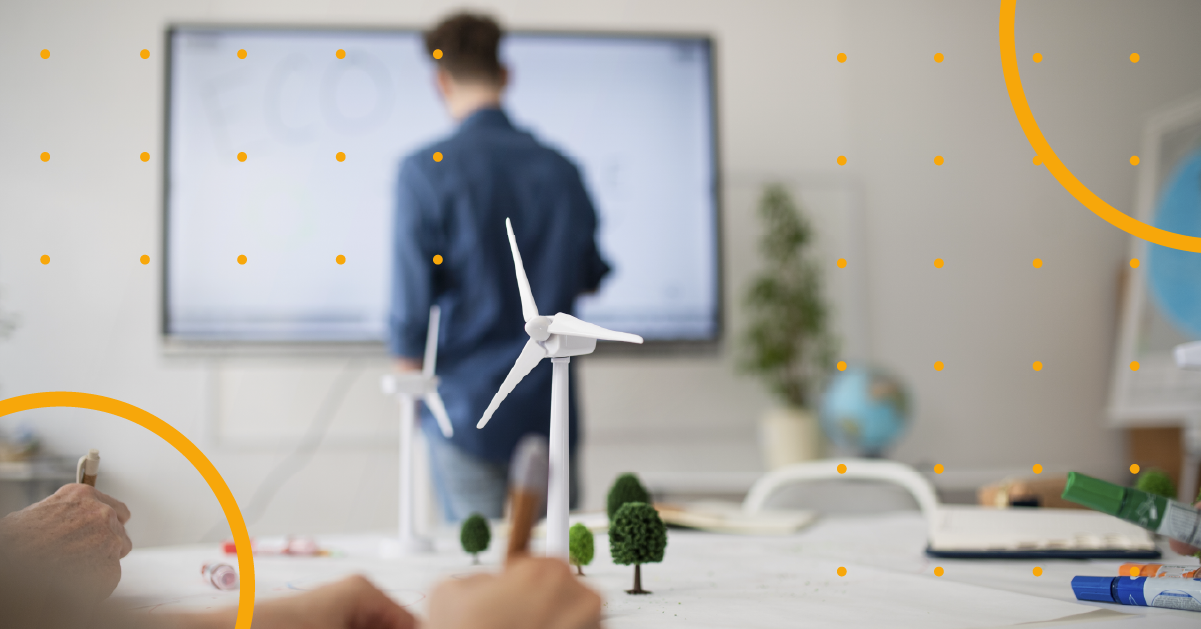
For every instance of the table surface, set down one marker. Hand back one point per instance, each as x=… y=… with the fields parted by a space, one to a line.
x=707 y=580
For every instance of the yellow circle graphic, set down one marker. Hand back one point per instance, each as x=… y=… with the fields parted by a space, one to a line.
x=842 y=57
x=45 y=53
x=842 y=263
x=1038 y=572
x=242 y=53
x=1134 y=365
x=438 y=156
x=1038 y=263
x=45 y=156
x=1038 y=365
x=340 y=156
x=341 y=259
x=242 y=156
x=842 y=160
x=938 y=365
x=938 y=57
x=842 y=572
x=233 y=515
x=938 y=571
x=938 y=468
x=145 y=157
x=437 y=259
x=45 y=259
x=341 y=54
x=842 y=468
x=1134 y=57
x=1134 y=470
x=842 y=365
x=1021 y=107
x=145 y=259
x=1037 y=469
x=938 y=160
x=241 y=259
x=437 y=53
x=1134 y=263
x=145 y=54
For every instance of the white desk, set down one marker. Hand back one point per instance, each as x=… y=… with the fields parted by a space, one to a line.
x=709 y=580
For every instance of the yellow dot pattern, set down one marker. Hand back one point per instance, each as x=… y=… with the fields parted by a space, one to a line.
x=938 y=160
x=341 y=54
x=241 y=259
x=341 y=157
x=145 y=259
x=145 y=54
x=437 y=53
x=938 y=57
x=438 y=157
x=1134 y=57
x=1037 y=58
x=1134 y=263
x=242 y=53
x=842 y=365
x=242 y=156
x=1038 y=572
x=1037 y=263
x=437 y=259
x=938 y=468
x=45 y=259
x=938 y=263
x=1134 y=365
x=145 y=157
x=1134 y=470
x=938 y=571
x=842 y=468
x=45 y=157
x=1134 y=160
x=1134 y=571
x=1038 y=365
x=842 y=57
x=842 y=160
x=1037 y=469
x=341 y=259
x=1036 y=160
x=938 y=365
x=842 y=263
x=842 y=572
x=45 y=53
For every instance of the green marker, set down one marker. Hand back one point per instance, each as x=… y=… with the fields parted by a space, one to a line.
x=1166 y=517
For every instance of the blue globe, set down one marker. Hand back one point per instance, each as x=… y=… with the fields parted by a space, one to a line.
x=1175 y=276
x=865 y=410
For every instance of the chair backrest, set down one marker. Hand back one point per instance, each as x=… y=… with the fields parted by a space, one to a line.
x=826 y=470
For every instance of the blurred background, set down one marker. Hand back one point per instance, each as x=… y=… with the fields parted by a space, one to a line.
x=684 y=415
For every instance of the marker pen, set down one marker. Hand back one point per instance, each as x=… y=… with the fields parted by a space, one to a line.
x=1155 y=571
x=1166 y=517
x=1172 y=593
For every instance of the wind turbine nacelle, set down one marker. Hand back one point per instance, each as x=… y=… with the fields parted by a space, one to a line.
x=561 y=345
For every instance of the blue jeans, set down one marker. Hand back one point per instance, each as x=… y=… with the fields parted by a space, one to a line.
x=467 y=484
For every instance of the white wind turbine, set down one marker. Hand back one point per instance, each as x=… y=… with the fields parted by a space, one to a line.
x=408 y=389
x=557 y=337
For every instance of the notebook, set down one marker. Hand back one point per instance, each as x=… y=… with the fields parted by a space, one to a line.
x=972 y=532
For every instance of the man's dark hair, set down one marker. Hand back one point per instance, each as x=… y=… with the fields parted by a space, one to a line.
x=468 y=43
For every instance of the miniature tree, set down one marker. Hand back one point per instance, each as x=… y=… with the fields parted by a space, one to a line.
x=475 y=535
x=1157 y=482
x=637 y=536
x=627 y=488
x=580 y=547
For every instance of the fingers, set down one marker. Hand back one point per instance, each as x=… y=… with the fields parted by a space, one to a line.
x=366 y=607
x=118 y=506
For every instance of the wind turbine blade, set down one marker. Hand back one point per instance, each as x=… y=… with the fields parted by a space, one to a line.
x=433 y=401
x=529 y=309
x=530 y=355
x=431 y=342
x=567 y=325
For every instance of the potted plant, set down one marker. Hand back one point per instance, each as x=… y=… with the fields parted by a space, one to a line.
x=787 y=342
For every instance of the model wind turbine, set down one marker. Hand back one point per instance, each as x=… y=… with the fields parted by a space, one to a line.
x=408 y=389
x=558 y=337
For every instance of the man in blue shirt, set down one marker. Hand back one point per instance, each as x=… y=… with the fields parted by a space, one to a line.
x=452 y=199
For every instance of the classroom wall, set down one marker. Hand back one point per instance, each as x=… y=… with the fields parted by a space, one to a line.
x=787 y=109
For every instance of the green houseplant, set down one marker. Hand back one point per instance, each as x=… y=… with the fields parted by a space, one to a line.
x=787 y=342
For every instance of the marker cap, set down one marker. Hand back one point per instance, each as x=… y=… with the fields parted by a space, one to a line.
x=1094 y=493
x=1098 y=589
x=1129 y=590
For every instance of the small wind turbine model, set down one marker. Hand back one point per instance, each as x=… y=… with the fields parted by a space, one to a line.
x=558 y=337
x=408 y=388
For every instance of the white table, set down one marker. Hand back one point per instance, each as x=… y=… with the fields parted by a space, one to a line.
x=708 y=580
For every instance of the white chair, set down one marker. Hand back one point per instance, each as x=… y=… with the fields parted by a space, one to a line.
x=880 y=474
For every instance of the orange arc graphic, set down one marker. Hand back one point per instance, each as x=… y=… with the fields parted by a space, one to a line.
x=233 y=515
x=1021 y=107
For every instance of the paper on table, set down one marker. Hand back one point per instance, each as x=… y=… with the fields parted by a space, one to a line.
x=962 y=528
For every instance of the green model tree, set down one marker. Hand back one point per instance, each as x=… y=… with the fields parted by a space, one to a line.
x=580 y=547
x=1157 y=482
x=475 y=535
x=627 y=488
x=637 y=536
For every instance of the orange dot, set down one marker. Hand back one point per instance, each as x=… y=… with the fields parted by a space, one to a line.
x=341 y=259
x=938 y=468
x=938 y=160
x=1134 y=160
x=1134 y=365
x=241 y=259
x=842 y=365
x=1134 y=57
x=145 y=259
x=242 y=157
x=437 y=157
x=437 y=53
x=1038 y=365
x=45 y=53
x=842 y=160
x=1038 y=572
x=842 y=263
x=1134 y=571
x=242 y=53
x=145 y=156
x=1134 y=470
x=341 y=54
x=341 y=157
x=145 y=54
x=45 y=157
x=45 y=259
x=1037 y=160
x=437 y=259
x=842 y=468
x=938 y=57
x=1038 y=263
x=1038 y=469
x=938 y=263
x=938 y=571
x=938 y=365
x=842 y=57
x=1038 y=58
x=1134 y=263
x=842 y=572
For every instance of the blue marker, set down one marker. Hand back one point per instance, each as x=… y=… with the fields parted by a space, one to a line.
x=1169 y=592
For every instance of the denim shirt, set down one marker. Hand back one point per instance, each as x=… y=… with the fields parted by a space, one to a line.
x=456 y=208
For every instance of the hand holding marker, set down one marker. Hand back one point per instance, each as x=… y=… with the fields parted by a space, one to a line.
x=88 y=468
x=528 y=478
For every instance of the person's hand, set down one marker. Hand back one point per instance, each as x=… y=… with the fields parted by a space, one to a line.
x=352 y=603
x=532 y=593
x=1181 y=547
x=78 y=533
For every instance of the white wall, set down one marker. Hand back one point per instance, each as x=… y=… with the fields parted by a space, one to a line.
x=787 y=110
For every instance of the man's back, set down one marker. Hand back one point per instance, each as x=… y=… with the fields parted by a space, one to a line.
x=457 y=208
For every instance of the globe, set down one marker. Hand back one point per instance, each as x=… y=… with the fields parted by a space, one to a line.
x=1174 y=275
x=865 y=410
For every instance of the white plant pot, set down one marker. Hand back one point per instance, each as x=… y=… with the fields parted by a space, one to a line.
x=789 y=435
